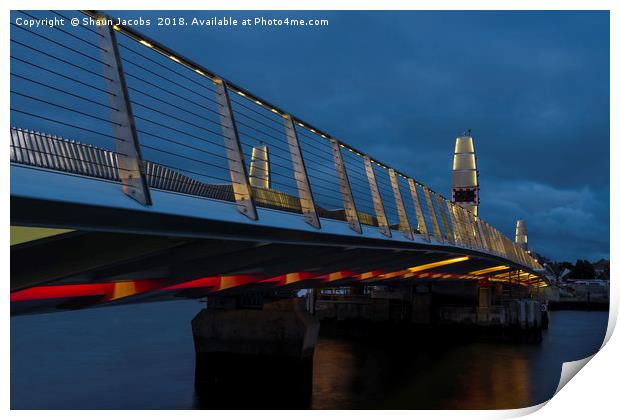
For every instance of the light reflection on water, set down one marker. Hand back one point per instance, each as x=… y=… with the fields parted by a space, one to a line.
x=142 y=356
x=462 y=377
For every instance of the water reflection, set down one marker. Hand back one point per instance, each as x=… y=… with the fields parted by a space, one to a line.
x=447 y=372
x=351 y=374
x=142 y=357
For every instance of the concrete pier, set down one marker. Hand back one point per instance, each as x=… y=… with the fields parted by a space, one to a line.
x=241 y=350
x=505 y=310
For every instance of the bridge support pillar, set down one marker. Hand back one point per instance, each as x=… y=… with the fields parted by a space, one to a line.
x=421 y=305
x=255 y=354
x=484 y=304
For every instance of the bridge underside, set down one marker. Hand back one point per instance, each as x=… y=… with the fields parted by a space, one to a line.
x=77 y=269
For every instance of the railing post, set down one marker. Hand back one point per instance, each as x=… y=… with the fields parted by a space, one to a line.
x=347 y=196
x=384 y=226
x=498 y=247
x=483 y=239
x=456 y=228
x=509 y=251
x=419 y=215
x=531 y=261
x=306 y=199
x=502 y=248
x=474 y=229
x=469 y=226
x=244 y=198
x=444 y=219
x=515 y=251
x=432 y=214
x=129 y=157
x=465 y=226
x=487 y=235
x=470 y=232
x=456 y=222
x=523 y=254
x=484 y=236
x=403 y=220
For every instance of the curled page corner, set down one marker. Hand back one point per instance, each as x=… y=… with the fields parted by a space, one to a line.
x=521 y=412
x=611 y=321
x=570 y=369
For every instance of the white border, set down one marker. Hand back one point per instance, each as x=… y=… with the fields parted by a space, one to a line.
x=594 y=394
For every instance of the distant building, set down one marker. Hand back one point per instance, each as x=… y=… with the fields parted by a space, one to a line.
x=601 y=268
x=576 y=293
x=564 y=274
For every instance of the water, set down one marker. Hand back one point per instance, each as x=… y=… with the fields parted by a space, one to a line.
x=142 y=357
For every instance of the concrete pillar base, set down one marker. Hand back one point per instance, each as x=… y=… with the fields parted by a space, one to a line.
x=421 y=306
x=255 y=354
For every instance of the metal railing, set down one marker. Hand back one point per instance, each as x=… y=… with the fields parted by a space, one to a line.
x=148 y=118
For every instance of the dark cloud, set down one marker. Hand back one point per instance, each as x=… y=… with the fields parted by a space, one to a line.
x=560 y=222
x=533 y=86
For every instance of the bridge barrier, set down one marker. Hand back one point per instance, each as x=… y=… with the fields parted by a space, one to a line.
x=110 y=103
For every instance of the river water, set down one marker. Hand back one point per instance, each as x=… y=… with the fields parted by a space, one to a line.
x=142 y=357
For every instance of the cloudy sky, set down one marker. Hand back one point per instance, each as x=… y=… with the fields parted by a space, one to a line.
x=532 y=86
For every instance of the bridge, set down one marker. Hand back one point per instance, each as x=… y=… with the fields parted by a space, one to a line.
x=137 y=174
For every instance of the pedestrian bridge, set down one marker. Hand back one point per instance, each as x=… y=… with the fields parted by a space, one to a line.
x=139 y=174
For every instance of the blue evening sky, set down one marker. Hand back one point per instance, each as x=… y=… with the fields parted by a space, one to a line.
x=532 y=86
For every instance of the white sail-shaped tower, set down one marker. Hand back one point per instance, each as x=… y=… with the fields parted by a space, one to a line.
x=465 y=174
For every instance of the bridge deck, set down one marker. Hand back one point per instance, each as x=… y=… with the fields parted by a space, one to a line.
x=180 y=159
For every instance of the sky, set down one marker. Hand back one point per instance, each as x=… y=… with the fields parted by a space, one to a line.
x=532 y=86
